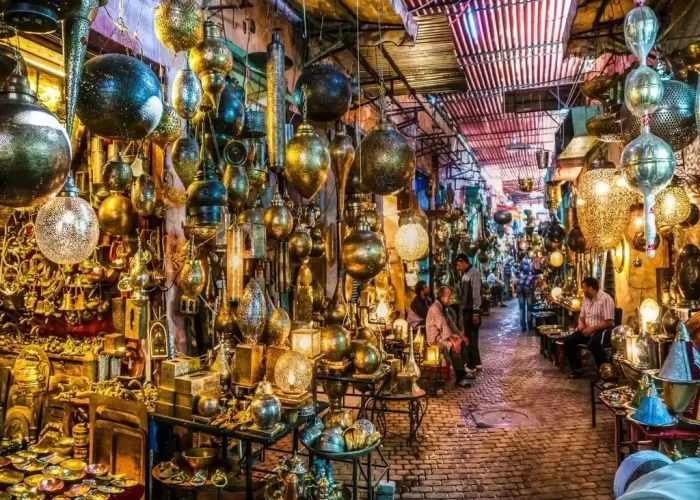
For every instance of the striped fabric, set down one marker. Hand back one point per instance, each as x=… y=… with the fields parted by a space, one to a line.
x=599 y=309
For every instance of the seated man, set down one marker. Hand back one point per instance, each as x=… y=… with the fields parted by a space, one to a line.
x=418 y=311
x=597 y=318
x=442 y=331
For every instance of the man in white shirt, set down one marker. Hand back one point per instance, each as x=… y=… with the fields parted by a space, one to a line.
x=595 y=321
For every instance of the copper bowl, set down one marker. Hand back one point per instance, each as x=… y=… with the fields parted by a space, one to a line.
x=200 y=458
x=77 y=490
x=97 y=469
x=51 y=486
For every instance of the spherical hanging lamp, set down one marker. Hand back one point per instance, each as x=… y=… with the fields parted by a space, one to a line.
x=556 y=259
x=293 y=372
x=672 y=204
x=66 y=227
x=603 y=206
x=411 y=240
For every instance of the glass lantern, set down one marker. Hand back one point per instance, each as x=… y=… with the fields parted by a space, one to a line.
x=293 y=373
x=307 y=341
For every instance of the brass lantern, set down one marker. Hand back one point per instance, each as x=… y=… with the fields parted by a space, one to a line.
x=672 y=204
x=363 y=253
x=193 y=276
x=185 y=158
x=187 y=93
x=117 y=175
x=603 y=206
x=206 y=196
x=300 y=242
x=277 y=219
x=411 y=240
x=212 y=60
x=178 y=24
x=308 y=161
x=117 y=216
x=168 y=129
x=252 y=312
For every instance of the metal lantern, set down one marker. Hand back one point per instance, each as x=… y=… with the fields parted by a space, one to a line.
x=77 y=18
x=386 y=160
x=318 y=242
x=300 y=242
x=576 y=240
x=185 y=158
x=293 y=373
x=277 y=219
x=337 y=310
x=556 y=259
x=328 y=90
x=643 y=91
x=411 y=240
x=117 y=216
x=212 y=60
x=120 y=97
x=603 y=207
x=688 y=272
x=265 y=408
x=252 y=312
x=335 y=343
x=193 y=276
x=606 y=127
x=342 y=157
x=640 y=27
x=276 y=106
x=187 y=93
x=674 y=118
x=143 y=195
x=672 y=204
x=178 y=24
x=66 y=227
x=648 y=164
x=279 y=327
x=237 y=186
x=235 y=271
x=206 y=196
x=230 y=115
x=35 y=151
x=168 y=129
x=308 y=161
x=117 y=175
x=363 y=253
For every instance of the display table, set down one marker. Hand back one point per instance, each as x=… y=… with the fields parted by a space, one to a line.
x=366 y=387
x=416 y=408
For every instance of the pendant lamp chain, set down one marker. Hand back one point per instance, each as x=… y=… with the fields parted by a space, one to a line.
x=382 y=90
x=304 y=100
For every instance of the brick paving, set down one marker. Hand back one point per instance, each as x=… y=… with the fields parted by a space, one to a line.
x=557 y=456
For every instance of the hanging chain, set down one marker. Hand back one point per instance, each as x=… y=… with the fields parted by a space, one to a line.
x=382 y=90
x=304 y=99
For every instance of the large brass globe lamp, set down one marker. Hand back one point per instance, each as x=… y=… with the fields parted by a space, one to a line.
x=335 y=342
x=411 y=240
x=363 y=253
x=66 y=227
x=293 y=372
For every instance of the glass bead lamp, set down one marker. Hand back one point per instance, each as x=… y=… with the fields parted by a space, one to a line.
x=293 y=373
x=66 y=227
x=411 y=240
x=672 y=204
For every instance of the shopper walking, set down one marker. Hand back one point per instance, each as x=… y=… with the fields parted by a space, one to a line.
x=470 y=307
x=525 y=290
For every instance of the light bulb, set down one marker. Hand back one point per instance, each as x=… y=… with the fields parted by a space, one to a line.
x=382 y=309
x=649 y=310
x=601 y=188
x=66 y=227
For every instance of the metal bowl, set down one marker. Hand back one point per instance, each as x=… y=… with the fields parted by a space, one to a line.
x=200 y=458
x=97 y=469
x=35 y=479
x=19 y=488
x=77 y=490
x=51 y=486
x=73 y=464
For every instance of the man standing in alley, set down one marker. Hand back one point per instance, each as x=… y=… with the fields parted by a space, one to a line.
x=470 y=308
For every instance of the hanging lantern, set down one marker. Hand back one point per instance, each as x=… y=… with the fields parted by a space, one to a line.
x=503 y=217
x=237 y=186
x=411 y=241
x=363 y=253
x=178 y=24
x=603 y=206
x=143 y=195
x=647 y=165
x=308 y=161
x=193 y=276
x=643 y=91
x=342 y=156
x=120 y=97
x=187 y=93
x=230 y=116
x=66 y=227
x=168 y=129
x=672 y=204
x=386 y=160
x=372 y=217
x=277 y=219
x=35 y=151
x=328 y=89
x=337 y=310
x=300 y=242
x=555 y=231
x=649 y=311
x=556 y=259
x=543 y=158
x=279 y=326
x=318 y=242
x=117 y=175
x=184 y=156
x=640 y=27
x=252 y=312
x=212 y=60
x=234 y=262
x=276 y=106
x=77 y=18
x=206 y=196
x=117 y=216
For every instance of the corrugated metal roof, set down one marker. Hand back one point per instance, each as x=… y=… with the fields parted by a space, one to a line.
x=503 y=45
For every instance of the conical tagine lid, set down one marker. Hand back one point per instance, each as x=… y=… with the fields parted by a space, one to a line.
x=682 y=365
x=652 y=411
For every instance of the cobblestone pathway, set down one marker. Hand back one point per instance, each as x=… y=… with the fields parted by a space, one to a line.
x=558 y=456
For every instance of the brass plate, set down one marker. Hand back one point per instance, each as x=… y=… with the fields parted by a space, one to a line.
x=5 y=496
x=72 y=476
x=112 y=490
x=55 y=459
x=4 y=462
x=124 y=483
x=77 y=490
x=39 y=450
x=10 y=477
x=73 y=464
x=30 y=465
x=97 y=495
x=19 y=489
x=26 y=454
x=53 y=470
x=35 y=479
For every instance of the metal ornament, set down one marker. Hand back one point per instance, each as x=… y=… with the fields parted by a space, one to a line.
x=35 y=151
x=206 y=196
x=651 y=410
x=277 y=219
x=252 y=312
x=503 y=217
x=279 y=327
x=117 y=175
x=212 y=60
x=318 y=242
x=342 y=157
x=337 y=310
x=117 y=215
x=300 y=242
x=178 y=24
x=386 y=160
x=641 y=27
x=254 y=126
x=143 y=195
x=168 y=129
x=187 y=93
x=648 y=164
x=328 y=89
x=672 y=206
x=66 y=227
x=363 y=253
x=185 y=158
x=276 y=92
x=237 y=186
x=308 y=161
x=265 y=409
x=335 y=343
x=120 y=97
x=77 y=15
x=193 y=277
x=644 y=91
